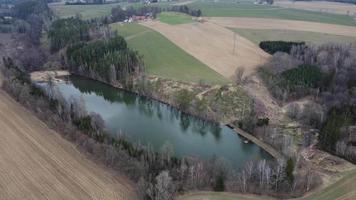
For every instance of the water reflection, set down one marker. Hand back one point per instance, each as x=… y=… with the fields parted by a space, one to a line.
x=154 y=123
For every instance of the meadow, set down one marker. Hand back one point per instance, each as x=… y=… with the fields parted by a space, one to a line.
x=256 y=36
x=164 y=59
x=246 y=8
x=174 y=18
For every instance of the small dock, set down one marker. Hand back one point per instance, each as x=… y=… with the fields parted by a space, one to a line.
x=268 y=148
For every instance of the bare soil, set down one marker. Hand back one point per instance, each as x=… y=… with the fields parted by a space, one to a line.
x=319 y=6
x=261 y=23
x=45 y=75
x=37 y=163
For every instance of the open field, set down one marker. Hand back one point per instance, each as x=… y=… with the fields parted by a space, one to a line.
x=258 y=23
x=246 y=8
x=319 y=6
x=213 y=45
x=165 y=59
x=174 y=18
x=37 y=163
x=256 y=36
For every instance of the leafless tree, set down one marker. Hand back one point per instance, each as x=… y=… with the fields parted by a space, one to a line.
x=239 y=75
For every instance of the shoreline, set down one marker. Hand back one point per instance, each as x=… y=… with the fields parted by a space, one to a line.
x=266 y=147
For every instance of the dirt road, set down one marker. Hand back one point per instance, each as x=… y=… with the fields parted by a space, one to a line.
x=260 y=23
x=36 y=163
x=216 y=46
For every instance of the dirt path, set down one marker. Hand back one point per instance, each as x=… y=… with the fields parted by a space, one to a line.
x=260 y=23
x=36 y=163
x=213 y=45
x=319 y=6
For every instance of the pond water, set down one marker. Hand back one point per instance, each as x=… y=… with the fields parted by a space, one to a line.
x=151 y=122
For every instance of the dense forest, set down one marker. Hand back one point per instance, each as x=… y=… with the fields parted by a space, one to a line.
x=108 y=60
x=65 y=32
x=327 y=74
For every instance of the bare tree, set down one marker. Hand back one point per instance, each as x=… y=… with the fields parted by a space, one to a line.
x=164 y=188
x=239 y=75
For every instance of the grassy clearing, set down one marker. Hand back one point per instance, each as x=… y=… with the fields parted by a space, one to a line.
x=256 y=36
x=243 y=8
x=165 y=59
x=174 y=18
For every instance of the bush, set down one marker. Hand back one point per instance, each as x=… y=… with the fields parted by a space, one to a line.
x=184 y=99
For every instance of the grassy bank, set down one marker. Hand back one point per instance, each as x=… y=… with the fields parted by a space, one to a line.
x=256 y=36
x=165 y=59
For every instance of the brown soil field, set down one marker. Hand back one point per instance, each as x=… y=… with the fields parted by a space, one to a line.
x=260 y=23
x=319 y=6
x=213 y=45
x=37 y=163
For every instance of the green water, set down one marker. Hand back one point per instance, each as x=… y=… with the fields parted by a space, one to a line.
x=151 y=122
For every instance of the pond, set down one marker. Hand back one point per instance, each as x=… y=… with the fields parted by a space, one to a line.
x=151 y=122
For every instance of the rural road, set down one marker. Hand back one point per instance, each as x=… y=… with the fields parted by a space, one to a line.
x=37 y=163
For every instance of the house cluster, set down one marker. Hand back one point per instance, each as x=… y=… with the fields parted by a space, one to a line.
x=263 y=2
x=137 y=18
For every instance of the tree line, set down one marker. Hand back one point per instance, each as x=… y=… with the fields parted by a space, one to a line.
x=272 y=47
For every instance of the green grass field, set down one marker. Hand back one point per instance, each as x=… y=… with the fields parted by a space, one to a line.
x=246 y=8
x=341 y=190
x=256 y=36
x=174 y=18
x=165 y=59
